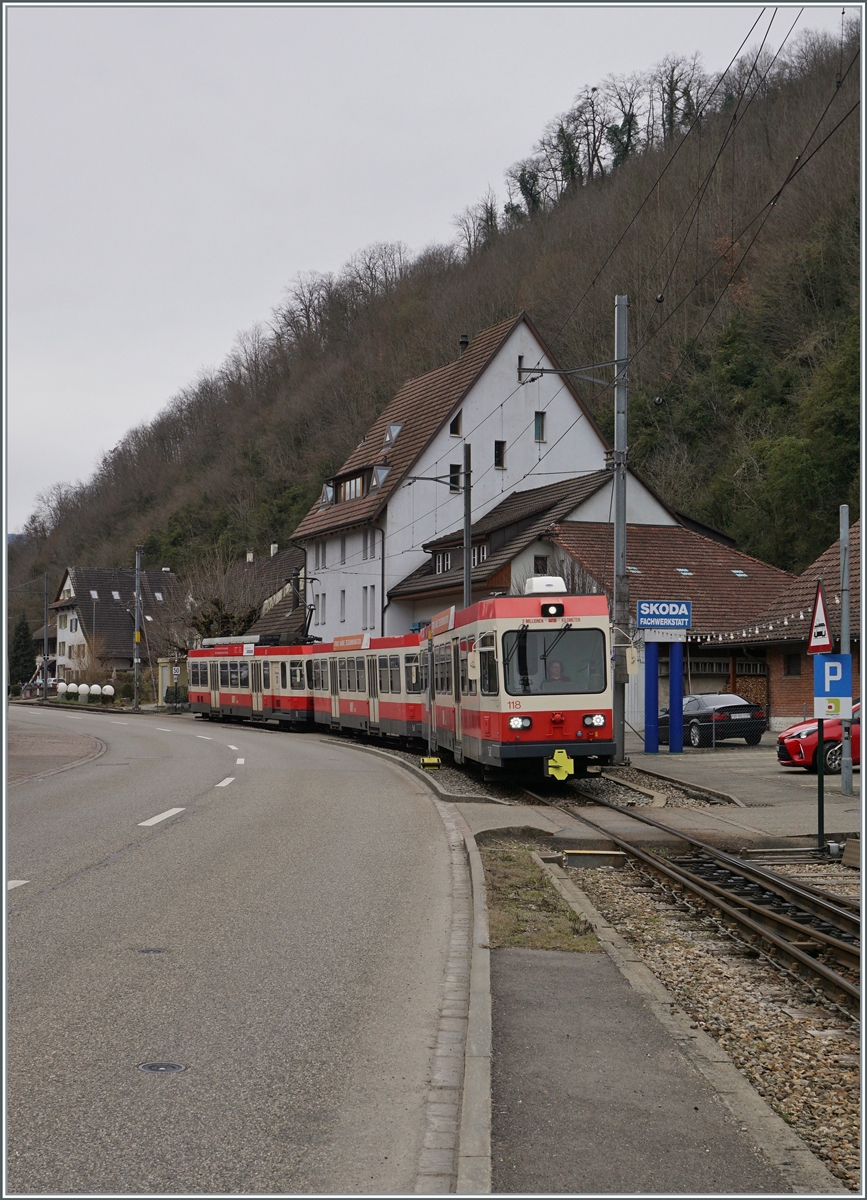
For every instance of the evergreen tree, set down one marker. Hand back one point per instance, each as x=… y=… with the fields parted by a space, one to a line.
x=22 y=658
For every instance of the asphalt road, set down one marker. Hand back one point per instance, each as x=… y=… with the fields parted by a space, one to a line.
x=283 y=937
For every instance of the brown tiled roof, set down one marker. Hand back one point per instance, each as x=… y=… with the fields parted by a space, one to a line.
x=787 y=617
x=266 y=576
x=719 y=597
x=522 y=517
x=282 y=620
x=421 y=406
x=115 y=619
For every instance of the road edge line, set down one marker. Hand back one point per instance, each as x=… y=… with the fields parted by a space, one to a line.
x=781 y=1146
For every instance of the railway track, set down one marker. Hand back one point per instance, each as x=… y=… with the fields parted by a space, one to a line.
x=798 y=925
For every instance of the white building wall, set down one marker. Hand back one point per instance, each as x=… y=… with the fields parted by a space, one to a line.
x=641 y=507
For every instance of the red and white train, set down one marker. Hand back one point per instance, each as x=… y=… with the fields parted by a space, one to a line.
x=511 y=680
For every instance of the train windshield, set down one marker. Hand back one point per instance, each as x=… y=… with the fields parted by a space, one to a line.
x=553 y=661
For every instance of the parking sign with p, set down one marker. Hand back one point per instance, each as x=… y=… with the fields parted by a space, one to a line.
x=832 y=685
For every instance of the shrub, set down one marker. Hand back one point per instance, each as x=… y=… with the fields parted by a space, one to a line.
x=16 y=689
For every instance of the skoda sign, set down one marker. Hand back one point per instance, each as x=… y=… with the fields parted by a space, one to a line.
x=664 y=614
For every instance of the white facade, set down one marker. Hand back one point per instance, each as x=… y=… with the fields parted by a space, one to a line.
x=71 y=643
x=346 y=576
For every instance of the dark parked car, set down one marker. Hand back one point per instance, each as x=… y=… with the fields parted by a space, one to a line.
x=717 y=717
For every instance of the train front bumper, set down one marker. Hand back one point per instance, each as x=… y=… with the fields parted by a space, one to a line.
x=501 y=752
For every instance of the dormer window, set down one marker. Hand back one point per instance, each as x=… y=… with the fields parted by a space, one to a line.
x=158 y=595
x=479 y=554
x=391 y=435
x=740 y=574
x=634 y=570
x=94 y=594
x=378 y=478
x=327 y=496
x=443 y=562
x=116 y=595
x=350 y=489
x=683 y=571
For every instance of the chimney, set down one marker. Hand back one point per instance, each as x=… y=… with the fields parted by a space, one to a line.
x=273 y=549
x=465 y=341
x=249 y=556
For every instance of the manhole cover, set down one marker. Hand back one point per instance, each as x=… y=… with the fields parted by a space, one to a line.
x=161 y=1068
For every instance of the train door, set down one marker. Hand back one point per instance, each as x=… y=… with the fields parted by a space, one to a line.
x=256 y=686
x=335 y=693
x=373 y=691
x=214 y=681
x=456 y=692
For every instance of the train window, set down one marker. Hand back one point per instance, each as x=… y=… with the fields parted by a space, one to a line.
x=472 y=684
x=443 y=670
x=224 y=674
x=424 y=666
x=565 y=661
x=283 y=675
x=308 y=669
x=465 y=683
x=350 y=674
x=490 y=685
x=193 y=674
x=296 y=674
x=233 y=674
x=359 y=673
x=394 y=673
x=412 y=674
x=266 y=674
x=383 y=675
x=244 y=670
x=341 y=674
x=320 y=674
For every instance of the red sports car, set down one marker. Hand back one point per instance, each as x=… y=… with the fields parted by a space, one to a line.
x=796 y=746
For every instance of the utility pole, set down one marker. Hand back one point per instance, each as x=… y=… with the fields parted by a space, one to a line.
x=468 y=517
x=45 y=647
x=846 y=761
x=621 y=576
x=136 y=662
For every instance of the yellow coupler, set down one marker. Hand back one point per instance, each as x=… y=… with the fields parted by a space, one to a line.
x=560 y=765
x=430 y=764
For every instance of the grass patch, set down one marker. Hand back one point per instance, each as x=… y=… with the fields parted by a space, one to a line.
x=525 y=910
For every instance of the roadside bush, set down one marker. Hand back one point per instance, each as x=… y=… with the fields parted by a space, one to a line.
x=176 y=696
x=127 y=689
x=16 y=689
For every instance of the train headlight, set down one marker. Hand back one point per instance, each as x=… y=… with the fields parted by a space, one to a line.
x=520 y=722
x=597 y=719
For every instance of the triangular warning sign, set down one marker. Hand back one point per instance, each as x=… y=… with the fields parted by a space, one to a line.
x=820 y=634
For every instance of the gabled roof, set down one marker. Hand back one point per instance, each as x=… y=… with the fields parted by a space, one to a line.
x=284 y=620
x=115 y=617
x=422 y=406
x=787 y=618
x=521 y=518
x=265 y=576
x=719 y=597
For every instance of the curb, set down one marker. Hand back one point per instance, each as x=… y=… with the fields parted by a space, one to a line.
x=781 y=1146
x=474 y=1171
x=726 y=797
x=97 y=752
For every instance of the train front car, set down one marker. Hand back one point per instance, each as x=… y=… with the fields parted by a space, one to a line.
x=525 y=681
x=234 y=678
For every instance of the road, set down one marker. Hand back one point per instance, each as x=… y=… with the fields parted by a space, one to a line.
x=283 y=937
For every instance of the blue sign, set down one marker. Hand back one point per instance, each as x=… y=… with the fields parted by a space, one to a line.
x=832 y=685
x=664 y=614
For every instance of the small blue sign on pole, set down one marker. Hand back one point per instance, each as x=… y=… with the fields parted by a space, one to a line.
x=832 y=686
x=664 y=614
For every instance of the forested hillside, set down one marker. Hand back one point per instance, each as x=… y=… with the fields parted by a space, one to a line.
x=726 y=208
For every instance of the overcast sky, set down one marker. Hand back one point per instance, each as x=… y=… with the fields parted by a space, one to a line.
x=171 y=169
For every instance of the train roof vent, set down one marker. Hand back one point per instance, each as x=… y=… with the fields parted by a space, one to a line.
x=545 y=585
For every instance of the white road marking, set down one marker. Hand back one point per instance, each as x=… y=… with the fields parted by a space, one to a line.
x=170 y=812
x=225 y=782
x=204 y=737
x=15 y=883
x=239 y=762
x=118 y=722
x=233 y=747
x=162 y=729
x=70 y=717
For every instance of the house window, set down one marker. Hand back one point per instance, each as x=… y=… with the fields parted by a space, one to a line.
x=539 y=427
x=455 y=427
x=683 y=571
x=321 y=608
x=634 y=570
x=480 y=553
x=454 y=477
x=342 y=605
x=159 y=596
x=743 y=575
x=793 y=665
x=391 y=435
x=500 y=455
x=61 y=648
x=371 y=600
x=116 y=595
x=94 y=595
x=540 y=564
x=364 y=608
x=351 y=489
x=148 y=618
x=73 y=624
x=342 y=548
x=62 y=620
x=443 y=562
x=368 y=544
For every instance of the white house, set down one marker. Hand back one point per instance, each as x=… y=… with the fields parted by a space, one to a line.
x=365 y=539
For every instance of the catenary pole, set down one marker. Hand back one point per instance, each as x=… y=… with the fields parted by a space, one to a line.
x=846 y=760
x=136 y=662
x=621 y=577
x=45 y=647
x=468 y=517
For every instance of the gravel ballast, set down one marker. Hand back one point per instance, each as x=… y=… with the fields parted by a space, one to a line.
x=798 y=1053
